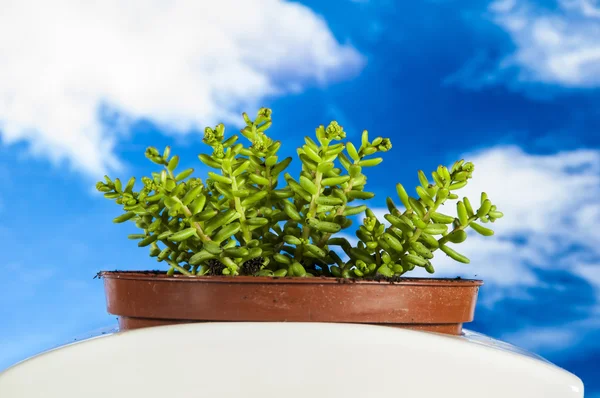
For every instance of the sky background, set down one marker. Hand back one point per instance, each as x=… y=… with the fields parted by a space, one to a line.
x=511 y=86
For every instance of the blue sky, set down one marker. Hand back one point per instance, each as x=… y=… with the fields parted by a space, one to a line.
x=512 y=86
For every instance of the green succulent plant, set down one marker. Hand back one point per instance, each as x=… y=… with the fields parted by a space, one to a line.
x=250 y=217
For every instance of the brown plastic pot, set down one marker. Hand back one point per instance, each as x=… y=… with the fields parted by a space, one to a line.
x=151 y=299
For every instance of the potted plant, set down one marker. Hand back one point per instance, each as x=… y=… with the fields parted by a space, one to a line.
x=253 y=243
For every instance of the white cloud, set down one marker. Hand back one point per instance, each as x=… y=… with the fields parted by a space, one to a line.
x=550 y=201
x=553 y=49
x=556 y=340
x=545 y=339
x=558 y=47
x=182 y=64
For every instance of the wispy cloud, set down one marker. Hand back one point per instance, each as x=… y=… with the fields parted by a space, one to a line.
x=182 y=65
x=558 y=47
x=556 y=340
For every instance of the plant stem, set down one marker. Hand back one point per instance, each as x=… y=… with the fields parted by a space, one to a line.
x=188 y=214
x=201 y=234
x=339 y=212
x=242 y=212
x=312 y=209
x=426 y=217
x=195 y=224
x=178 y=268
x=230 y=264
x=170 y=245
x=268 y=176
x=444 y=239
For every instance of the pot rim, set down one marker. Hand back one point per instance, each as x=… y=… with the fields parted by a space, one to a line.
x=241 y=279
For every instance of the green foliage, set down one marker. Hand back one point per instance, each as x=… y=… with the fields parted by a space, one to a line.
x=241 y=221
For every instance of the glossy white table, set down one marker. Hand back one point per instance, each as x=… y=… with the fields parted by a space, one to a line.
x=286 y=360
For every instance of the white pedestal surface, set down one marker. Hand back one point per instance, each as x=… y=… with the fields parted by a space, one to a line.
x=287 y=360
